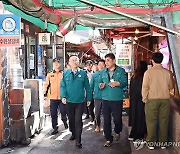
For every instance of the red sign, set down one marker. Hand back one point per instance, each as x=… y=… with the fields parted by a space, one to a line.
x=10 y=41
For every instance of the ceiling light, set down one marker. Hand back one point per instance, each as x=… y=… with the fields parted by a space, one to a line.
x=136 y=31
x=135 y=38
x=134 y=42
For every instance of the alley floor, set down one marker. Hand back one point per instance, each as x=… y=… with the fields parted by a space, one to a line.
x=45 y=143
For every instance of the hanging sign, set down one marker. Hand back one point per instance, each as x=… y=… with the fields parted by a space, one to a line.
x=44 y=38
x=10 y=30
x=123 y=56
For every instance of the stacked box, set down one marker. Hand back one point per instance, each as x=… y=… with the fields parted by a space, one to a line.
x=19 y=111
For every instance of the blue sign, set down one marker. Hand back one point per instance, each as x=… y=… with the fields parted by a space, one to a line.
x=39 y=53
x=10 y=25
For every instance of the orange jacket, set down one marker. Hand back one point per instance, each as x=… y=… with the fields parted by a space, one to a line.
x=52 y=84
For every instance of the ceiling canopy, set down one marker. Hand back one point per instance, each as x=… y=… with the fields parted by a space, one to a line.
x=65 y=15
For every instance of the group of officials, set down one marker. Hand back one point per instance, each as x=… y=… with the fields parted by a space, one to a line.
x=75 y=88
x=72 y=90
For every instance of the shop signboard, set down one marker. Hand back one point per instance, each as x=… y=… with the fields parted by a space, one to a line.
x=123 y=56
x=10 y=30
x=44 y=38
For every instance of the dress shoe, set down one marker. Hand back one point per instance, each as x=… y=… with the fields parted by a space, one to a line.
x=108 y=144
x=55 y=131
x=65 y=125
x=117 y=137
x=79 y=145
x=72 y=138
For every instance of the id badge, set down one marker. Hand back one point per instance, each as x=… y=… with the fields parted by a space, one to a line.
x=112 y=80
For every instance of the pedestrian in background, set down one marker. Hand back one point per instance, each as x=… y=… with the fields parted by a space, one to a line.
x=73 y=87
x=113 y=80
x=97 y=94
x=156 y=86
x=52 y=84
x=136 y=110
x=90 y=109
x=95 y=66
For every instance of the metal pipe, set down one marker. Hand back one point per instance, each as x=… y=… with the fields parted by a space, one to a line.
x=144 y=47
x=133 y=32
x=64 y=50
x=54 y=45
x=173 y=49
x=142 y=5
x=140 y=46
x=144 y=35
x=130 y=16
x=85 y=53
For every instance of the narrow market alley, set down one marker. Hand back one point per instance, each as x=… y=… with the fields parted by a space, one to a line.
x=45 y=143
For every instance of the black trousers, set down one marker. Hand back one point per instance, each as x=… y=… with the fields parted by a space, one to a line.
x=54 y=106
x=135 y=135
x=113 y=108
x=97 y=111
x=75 y=111
x=89 y=110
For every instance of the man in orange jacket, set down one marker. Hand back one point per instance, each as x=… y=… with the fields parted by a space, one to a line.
x=52 y=84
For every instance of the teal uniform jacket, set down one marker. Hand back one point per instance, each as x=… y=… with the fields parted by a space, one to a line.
x=94 y=84
x=116 y=93
x=73 y=87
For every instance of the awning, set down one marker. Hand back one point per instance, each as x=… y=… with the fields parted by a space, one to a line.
x=66 y=15
x=86 y=49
